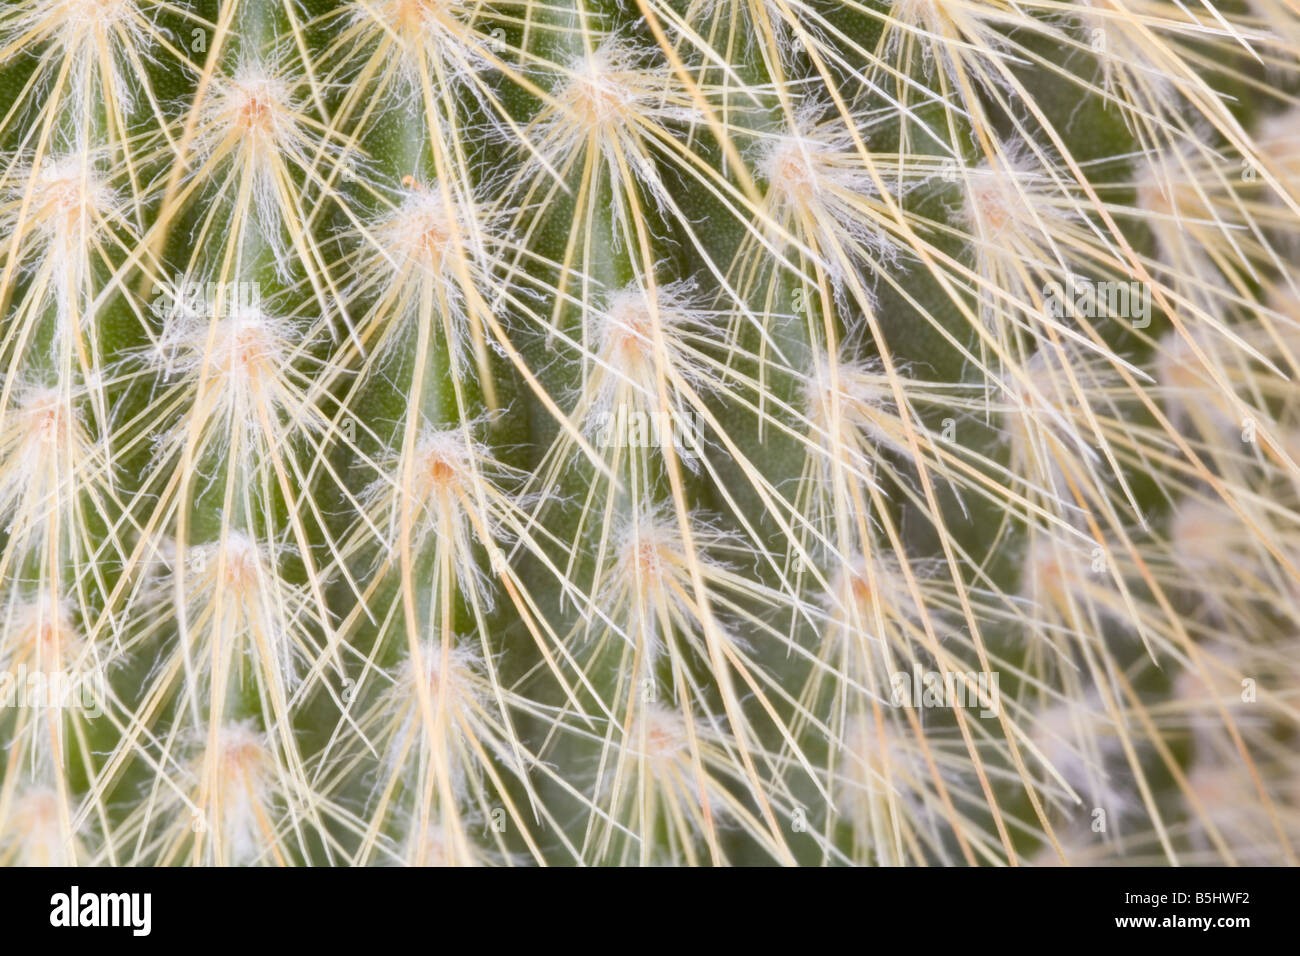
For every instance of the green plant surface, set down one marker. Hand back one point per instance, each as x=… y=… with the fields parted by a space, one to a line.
x=654 y=432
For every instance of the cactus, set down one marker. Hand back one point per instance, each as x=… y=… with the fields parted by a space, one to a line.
x=656 y=432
